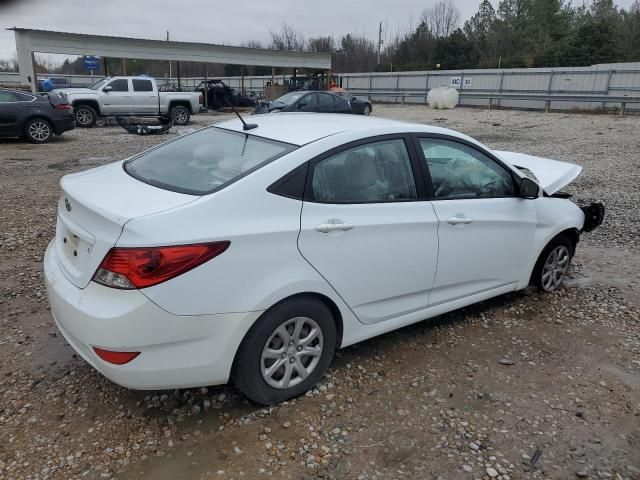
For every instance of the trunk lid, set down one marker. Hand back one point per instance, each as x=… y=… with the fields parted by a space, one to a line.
x=94 y=207
x=552 y=175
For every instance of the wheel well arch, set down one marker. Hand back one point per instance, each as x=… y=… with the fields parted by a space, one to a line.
x=35 y=115
x=331 y=305
x=573 y=234
x=179 y=103
x=89 y=103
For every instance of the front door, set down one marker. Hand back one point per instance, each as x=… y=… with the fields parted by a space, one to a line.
x=368 y=230
x=485 y=231
x=117 y=101
x=9 y=112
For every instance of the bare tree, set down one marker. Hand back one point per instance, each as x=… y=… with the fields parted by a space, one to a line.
x=288 y=38
x=441 y=19
x=321 y=44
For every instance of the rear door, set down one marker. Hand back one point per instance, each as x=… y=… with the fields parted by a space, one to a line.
x=368 y=229
x=326 y=103
x=117 y=101
x=9 y=112
x=145 y=97
x=485 y=230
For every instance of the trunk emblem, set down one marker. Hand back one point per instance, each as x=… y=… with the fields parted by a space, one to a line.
x=67 y=204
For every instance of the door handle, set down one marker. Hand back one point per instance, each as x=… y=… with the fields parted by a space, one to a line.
x=333 y=227
x=460 y=220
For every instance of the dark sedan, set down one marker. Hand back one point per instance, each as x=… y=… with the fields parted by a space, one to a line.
x=358 y=106
x=307 y=101
x=34 y=117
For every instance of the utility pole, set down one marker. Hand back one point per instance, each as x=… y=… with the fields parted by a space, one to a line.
x=379 y=41
x=169 y=60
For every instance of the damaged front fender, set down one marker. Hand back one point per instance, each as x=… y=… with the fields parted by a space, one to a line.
x=593 y=216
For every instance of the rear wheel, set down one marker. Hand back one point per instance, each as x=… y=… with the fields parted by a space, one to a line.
x=286 y=352
x=367 y=110
x=553 y=264
x=38 y=130
x=180 y=115
x=85 y=116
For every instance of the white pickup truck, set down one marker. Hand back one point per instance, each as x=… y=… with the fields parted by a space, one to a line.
x=131 y=96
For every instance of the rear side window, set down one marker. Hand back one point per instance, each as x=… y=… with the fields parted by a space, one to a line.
x=370 y=173
x=7 y=97
x=142 y=86
x=205 y=161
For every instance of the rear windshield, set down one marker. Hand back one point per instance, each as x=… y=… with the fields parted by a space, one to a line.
x=205 y=161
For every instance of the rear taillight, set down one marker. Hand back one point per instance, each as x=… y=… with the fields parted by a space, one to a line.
x=129 y=268
x=63 y=106
x=201 y=99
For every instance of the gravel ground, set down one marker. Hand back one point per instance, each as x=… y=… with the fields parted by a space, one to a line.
x=521 y=386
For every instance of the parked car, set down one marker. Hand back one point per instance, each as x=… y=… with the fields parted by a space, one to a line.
x=52 y=83
x=36 y=118
x=358 y=105
x=252 y=255
x=131 y=96
x=306 y=101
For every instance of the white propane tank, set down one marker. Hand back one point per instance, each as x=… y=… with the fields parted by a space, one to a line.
x=443 y=97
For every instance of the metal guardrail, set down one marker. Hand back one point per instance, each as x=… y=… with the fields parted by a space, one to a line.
x=493 y=96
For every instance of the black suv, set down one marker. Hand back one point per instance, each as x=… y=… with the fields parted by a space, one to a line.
x=34 y=117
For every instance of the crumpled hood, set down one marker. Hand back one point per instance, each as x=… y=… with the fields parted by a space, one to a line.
x=552 y=175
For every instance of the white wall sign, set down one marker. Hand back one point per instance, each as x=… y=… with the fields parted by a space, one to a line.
x=455 y=82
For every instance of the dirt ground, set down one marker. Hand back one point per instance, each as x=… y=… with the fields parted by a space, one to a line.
x=522 y=386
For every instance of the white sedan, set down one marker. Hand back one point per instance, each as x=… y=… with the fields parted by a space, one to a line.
x=251 y=254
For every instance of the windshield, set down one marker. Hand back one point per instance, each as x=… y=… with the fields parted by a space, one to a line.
x=205 y=161
x=289 y=98
x=99 y=84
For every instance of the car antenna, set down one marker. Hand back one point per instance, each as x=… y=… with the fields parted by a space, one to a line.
x=245 y=125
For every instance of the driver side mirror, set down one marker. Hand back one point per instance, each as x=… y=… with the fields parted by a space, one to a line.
x=107 y=89
x=529 y=189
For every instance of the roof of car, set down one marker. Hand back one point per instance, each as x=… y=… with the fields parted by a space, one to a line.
x=302 y=128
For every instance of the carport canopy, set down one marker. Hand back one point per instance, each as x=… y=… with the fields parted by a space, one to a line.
x=29 y=41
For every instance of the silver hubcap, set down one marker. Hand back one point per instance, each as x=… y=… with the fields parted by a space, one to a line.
x=179 y=115
x=39 y=131
x=555 y=268
x=84 y=116
x=291 y=353
x=367 y=111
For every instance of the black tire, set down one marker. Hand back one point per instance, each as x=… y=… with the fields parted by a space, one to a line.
x=247 y=369
x=367 y=110
x=85 y=115
x=38 y=130
x=539 y=278
x=180 y=115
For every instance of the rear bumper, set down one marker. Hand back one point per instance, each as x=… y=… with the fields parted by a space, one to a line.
x=62 y=125
x=176 y=351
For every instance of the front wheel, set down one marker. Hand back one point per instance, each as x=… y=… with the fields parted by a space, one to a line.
x=553 y=264
x=286 y=352
x=367 y=110
x=38 y=130
x=180 y=115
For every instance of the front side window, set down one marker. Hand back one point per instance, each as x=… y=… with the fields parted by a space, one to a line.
x=204 y=161
x=142 y=85
x=120 y=85
x=374 y=172
x=460 y=171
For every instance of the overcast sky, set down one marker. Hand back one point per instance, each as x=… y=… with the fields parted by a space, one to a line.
x=223 y=21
